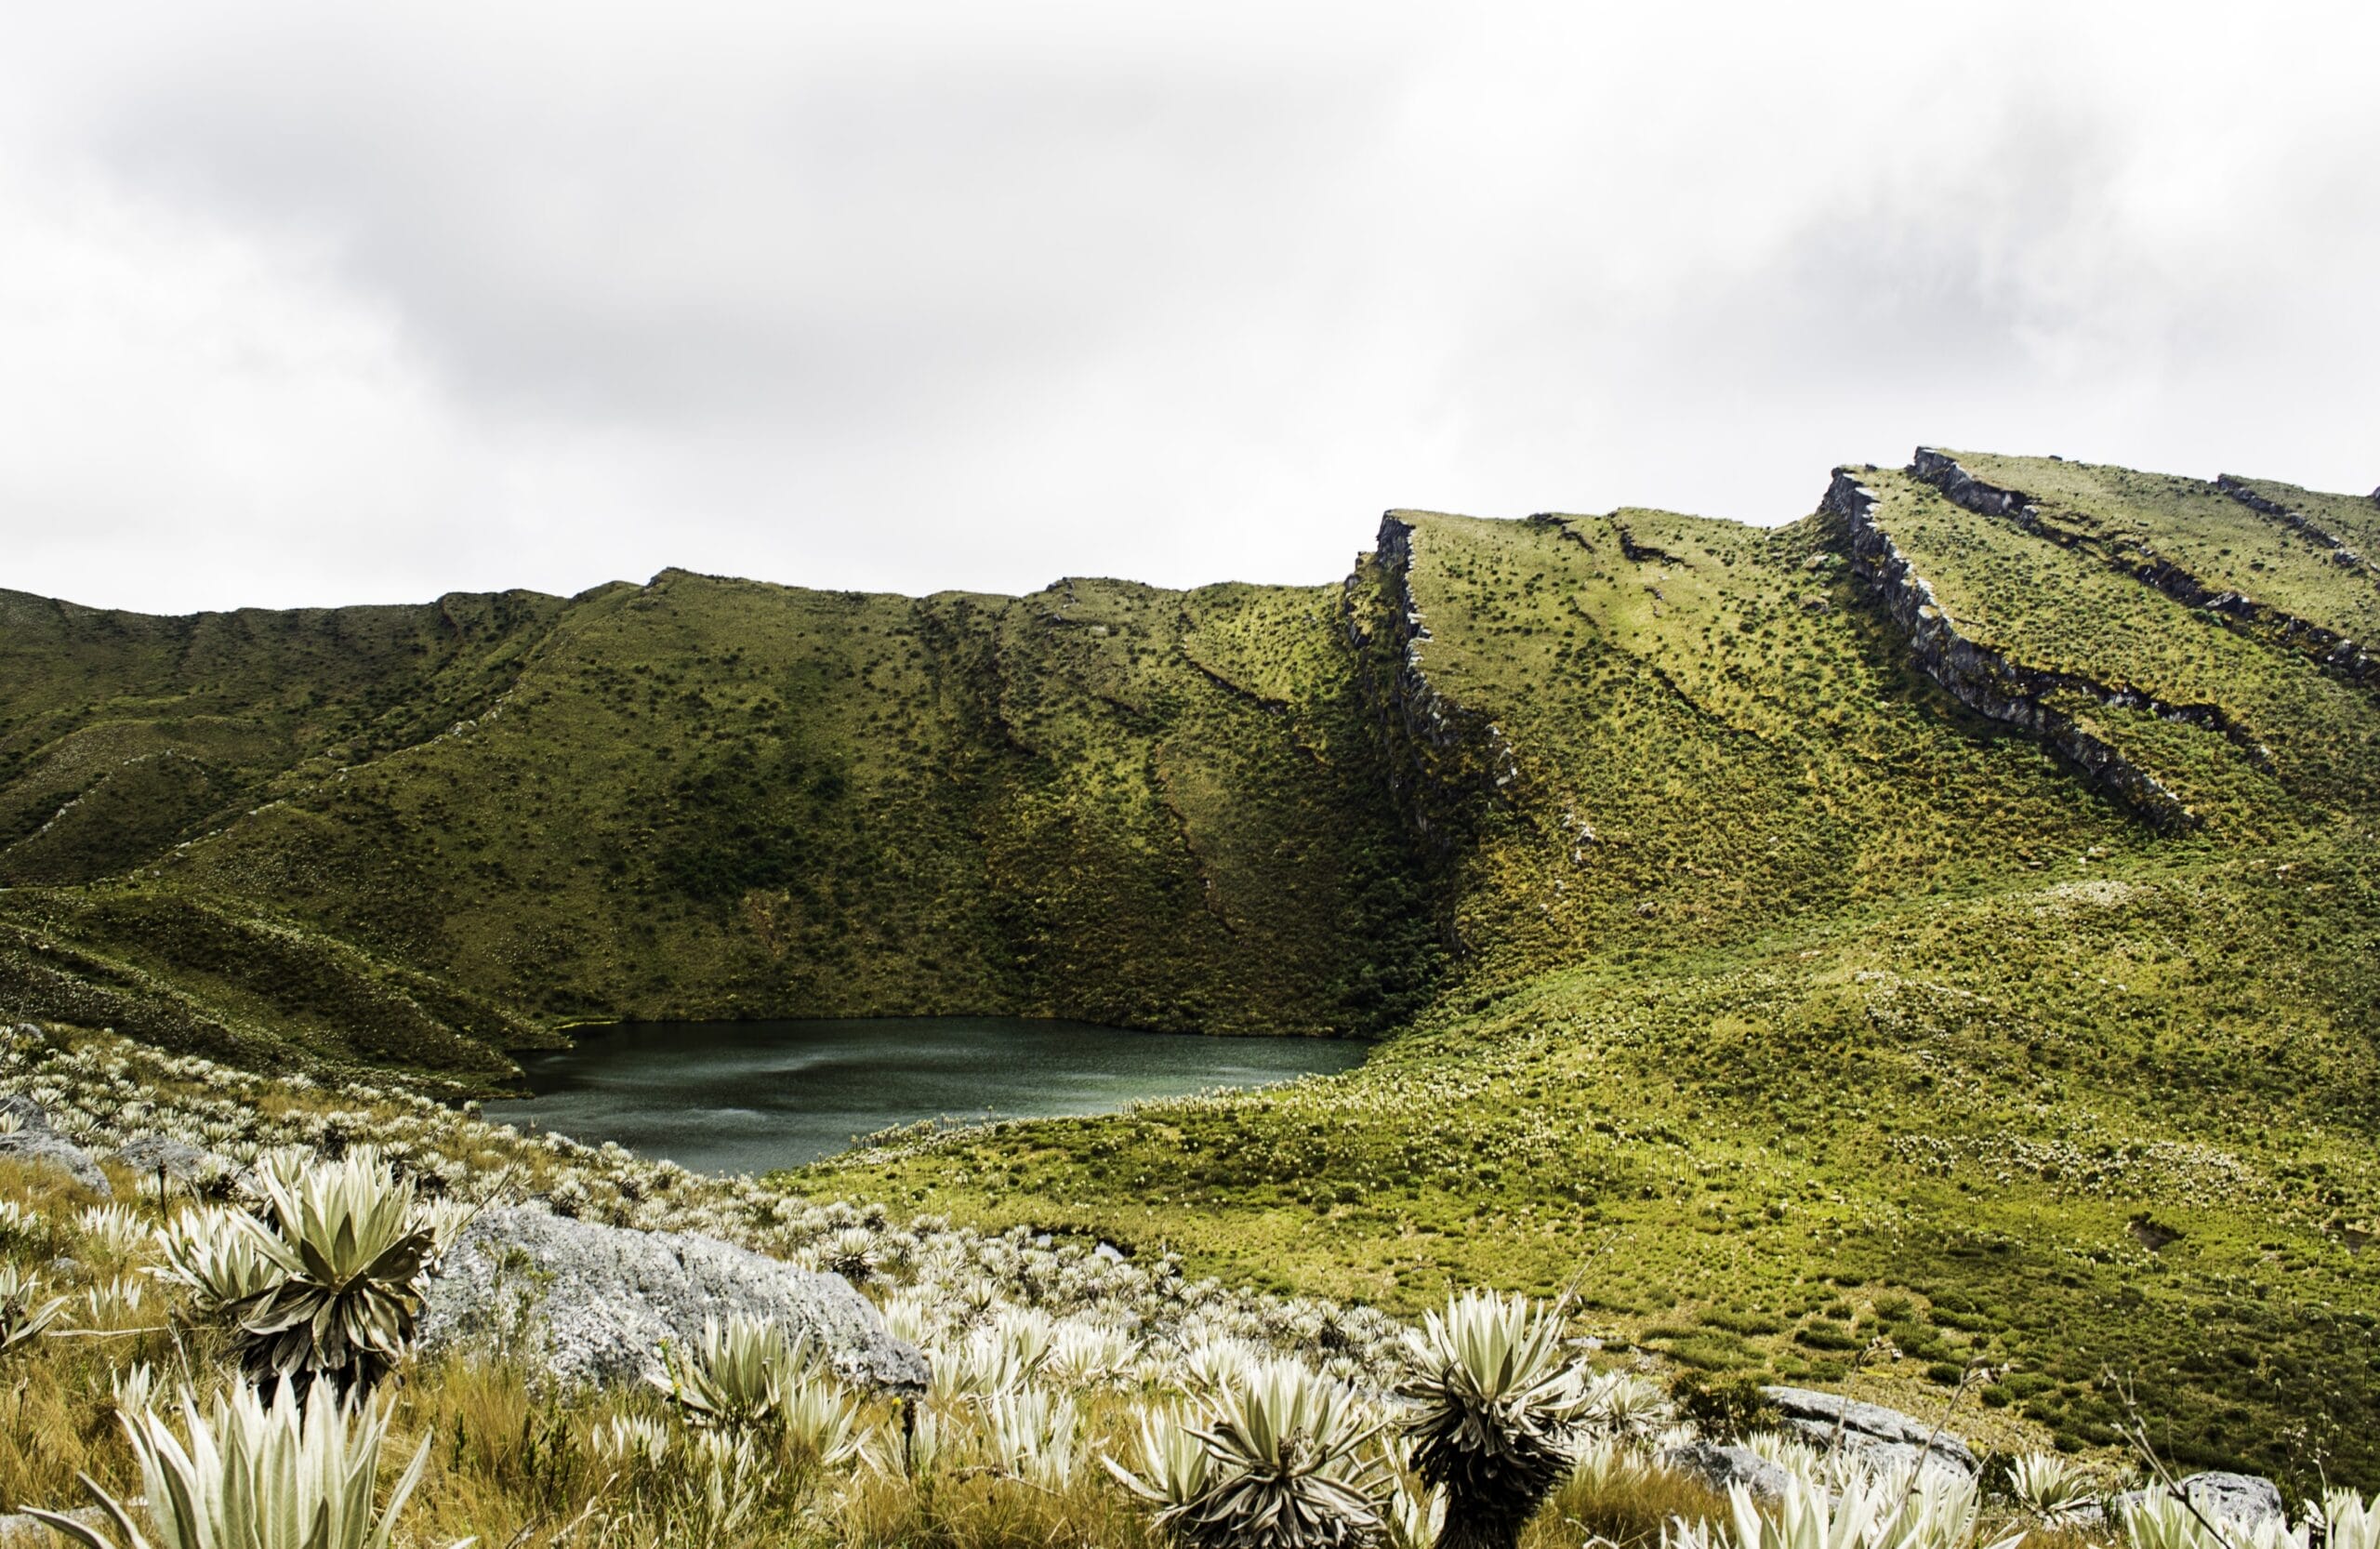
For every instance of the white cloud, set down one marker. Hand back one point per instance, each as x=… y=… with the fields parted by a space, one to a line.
x=312 y=304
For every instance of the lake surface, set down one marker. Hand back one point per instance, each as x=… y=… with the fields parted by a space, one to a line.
x=747 y=1096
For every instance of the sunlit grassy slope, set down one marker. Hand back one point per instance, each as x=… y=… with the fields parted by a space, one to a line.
x=1738 y=968
x=1802 y=1004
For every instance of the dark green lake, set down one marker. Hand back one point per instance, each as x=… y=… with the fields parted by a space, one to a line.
x=748 y=1096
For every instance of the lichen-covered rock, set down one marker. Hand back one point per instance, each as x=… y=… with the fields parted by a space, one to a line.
x=1880 y=1436
x=2237 y=1499
x=1723 y=1467
x=596 y=1303
x=34 y=1142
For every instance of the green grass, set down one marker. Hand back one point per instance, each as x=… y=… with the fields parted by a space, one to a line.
x=2297 y=737
x=1733 y=969
x=2126 y=518
x=2354 y=520
x=1969 y=1099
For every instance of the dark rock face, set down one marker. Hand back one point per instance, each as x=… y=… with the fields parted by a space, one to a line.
x=1986 y=681
x=1880 y=1436
x=1446 y=759
x=35 y=1143
x=1943 y=472
x=1721 y=1468
x=597 y=1302
x=2232 y=1500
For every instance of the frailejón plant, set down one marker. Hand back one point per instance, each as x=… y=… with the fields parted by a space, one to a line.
x=346 y=1243
x=290 y=1473
x=23 y=1316
x=1499 y=1405
x=738 y=1376
x=1288 y=1464
x=213 y=1255
x=2051 y=1489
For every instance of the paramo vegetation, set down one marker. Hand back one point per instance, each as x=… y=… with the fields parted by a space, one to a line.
x=1928 y=947
x=1075 y=1396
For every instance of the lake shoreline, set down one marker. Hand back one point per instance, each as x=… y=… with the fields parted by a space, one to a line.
x=766 y=1095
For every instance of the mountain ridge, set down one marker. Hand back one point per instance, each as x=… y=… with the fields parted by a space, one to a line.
x=1858 y=926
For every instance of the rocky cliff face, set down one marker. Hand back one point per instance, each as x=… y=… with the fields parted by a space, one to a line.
x=2333 y=651
x=1446 y=762
x=1988 y=681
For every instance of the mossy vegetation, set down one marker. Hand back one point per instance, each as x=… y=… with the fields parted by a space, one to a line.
x=1734 y=969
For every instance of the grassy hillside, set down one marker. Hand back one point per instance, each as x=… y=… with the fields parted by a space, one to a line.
x=1946 y=917
x=720 y=798
x=1803 y=1003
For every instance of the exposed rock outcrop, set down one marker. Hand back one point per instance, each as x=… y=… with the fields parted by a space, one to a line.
x=35 y=1144
x=178 y=1160
x=2299 y=522
x=1883 y=1436
x=2232 y=1500
x=1721 y=1468
x=1986 y=681
x=2333 y=651
x=1443 y=756
x=597 y=1302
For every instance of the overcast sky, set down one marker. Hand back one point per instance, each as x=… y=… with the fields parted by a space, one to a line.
x=328 y=303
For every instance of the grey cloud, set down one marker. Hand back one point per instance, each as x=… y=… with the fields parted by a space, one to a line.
x=842 y=251
x=315 y=304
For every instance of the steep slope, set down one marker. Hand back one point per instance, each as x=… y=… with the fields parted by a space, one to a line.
x=122 y=732
x=1690 y=731
x=720 y=798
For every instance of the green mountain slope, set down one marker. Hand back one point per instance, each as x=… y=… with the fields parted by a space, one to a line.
x=720 y=798
x=1949 y=916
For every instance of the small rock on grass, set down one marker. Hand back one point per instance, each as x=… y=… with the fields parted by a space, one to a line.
x=34 y=1141
x=1722 y=1467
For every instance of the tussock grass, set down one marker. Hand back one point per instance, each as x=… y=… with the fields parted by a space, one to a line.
x=1629 y=1508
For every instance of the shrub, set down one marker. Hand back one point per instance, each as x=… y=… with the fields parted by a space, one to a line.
x=1723 y=1406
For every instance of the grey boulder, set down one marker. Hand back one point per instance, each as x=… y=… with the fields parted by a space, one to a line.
x=1881 y=1436
x=2237 y=1499
x=1721 y=1468
x=36 y=1144
x=178 y=1159
x=596 y=1303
